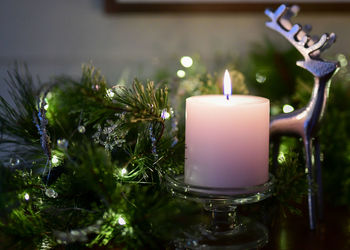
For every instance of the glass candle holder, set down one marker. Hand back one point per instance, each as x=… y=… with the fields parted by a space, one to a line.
x=224 y=228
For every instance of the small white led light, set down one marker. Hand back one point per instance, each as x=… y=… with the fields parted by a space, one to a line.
x=287 y=108
x=26 y=196
x=186 y=61
x=54 y=159
x=180 y=73
x=124 y=171
x=121 y=221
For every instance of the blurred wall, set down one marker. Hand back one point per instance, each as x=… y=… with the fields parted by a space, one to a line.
x=57 y=36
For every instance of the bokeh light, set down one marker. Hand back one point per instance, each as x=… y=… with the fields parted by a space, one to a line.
x=186 y=61
x=288 y=108
x=180 y=73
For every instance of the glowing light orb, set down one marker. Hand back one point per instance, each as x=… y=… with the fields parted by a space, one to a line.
x=260 y=78
x=54 y=159
x=26 y=196
x=281 y=158
x=180 y=73
x=165 y=114
x=287 y=108
x=121 y=221
x=110 y=93
x=123 y=171
x=186 y=61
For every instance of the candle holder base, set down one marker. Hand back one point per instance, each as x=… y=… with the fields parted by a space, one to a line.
x=224 y=229
x=247 y=235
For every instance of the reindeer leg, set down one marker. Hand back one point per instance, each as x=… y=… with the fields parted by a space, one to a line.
x=319 y=178
x=276 y=142
x=309 y=169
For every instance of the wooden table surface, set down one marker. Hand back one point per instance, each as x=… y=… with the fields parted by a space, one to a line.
x=293 y=233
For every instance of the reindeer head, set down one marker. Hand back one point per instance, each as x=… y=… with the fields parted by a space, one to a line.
x=297 y=35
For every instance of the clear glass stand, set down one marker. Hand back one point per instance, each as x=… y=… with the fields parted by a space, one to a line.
x=224 y=229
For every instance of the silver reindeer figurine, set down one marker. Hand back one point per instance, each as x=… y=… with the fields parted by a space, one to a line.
x=304 y=122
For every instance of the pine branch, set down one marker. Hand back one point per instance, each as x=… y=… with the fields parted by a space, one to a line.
x=19 y=136
x=16 y=118
x=144 y=103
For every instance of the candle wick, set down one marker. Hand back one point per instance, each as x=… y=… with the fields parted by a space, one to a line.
x=227 y=97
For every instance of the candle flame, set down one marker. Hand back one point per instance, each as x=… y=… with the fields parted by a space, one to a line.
x=227 y=85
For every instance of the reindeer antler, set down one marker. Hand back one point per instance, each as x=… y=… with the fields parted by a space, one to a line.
x=296 y=34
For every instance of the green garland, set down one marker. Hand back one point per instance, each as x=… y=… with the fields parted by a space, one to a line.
x=83 y=162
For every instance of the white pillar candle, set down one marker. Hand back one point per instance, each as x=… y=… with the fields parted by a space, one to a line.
x=227 y=140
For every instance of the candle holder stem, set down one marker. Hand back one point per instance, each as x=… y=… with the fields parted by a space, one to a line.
x=222 y=218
